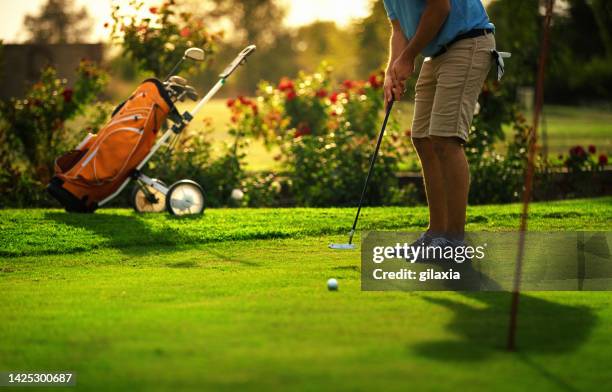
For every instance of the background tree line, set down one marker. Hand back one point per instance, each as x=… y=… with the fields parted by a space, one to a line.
x=579 y=69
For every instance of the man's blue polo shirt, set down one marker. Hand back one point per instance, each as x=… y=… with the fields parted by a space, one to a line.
x=465 y=15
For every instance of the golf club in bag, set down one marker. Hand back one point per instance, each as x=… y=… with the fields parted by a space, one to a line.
x=102 y=165
x=350 y=244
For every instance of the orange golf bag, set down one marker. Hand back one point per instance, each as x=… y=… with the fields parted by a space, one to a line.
x=102 y=162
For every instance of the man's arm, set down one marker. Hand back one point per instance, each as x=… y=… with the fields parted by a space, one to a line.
x=397 y=45
x=432 y=19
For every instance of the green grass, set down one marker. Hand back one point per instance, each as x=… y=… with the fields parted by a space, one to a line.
x=236 y=299
x=566 y=127
x=570 y=126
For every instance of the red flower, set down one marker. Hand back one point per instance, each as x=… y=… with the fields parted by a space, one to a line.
x=302 y=130
x=254 y=108
x=348 y=84
x=374 y=82
x=333 y=97
x=230 y=102
x=603 y=160
x=67 y=93
x=291 y=95
x=285 y=84
x=185 y=32
x=244 y=100
x=234 y=119
x=153 y=10
x=592 y=149
x=577 y=151
x=321 y=93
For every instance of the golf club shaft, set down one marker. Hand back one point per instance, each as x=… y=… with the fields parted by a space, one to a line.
x=372 y=161
x=175 y=68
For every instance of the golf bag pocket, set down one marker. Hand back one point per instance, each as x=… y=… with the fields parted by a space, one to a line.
x=67 y=161
x=108 y=157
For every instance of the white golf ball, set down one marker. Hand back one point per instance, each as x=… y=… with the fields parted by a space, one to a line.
x=332 y=284
x=237 y=194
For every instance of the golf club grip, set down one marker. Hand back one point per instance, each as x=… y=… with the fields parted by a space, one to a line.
x=242 y=56
x=372 y=161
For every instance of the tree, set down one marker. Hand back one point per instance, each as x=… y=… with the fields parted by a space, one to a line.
x=58 y=22
x=602 y=10
x=258 y=22
x=373 y=34
x=253 y=21
x=522 y=39
x=324 y=41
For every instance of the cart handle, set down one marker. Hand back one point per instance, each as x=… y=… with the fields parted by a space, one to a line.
x=239 y=60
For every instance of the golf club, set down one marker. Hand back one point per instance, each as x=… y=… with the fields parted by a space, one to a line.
x=195 y=54
x=191 y=93
x=174 y=90
x=350 y=244
x=177 y=80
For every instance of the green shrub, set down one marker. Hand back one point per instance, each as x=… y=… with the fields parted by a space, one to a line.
x=326 y=134
x=496 y=178
x=265 y=190
x=34 y=130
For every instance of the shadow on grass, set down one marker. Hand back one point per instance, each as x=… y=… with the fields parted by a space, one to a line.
x=127 y=233
x=132 y=236
x=544 y=327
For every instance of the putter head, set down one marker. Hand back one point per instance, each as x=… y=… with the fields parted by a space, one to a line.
x=342 y=246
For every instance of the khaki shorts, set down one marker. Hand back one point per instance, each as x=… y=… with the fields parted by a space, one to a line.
x=448 y=87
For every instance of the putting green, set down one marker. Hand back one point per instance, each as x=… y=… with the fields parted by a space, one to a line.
x=238 y=299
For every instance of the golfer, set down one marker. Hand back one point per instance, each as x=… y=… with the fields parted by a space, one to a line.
x=456 y=37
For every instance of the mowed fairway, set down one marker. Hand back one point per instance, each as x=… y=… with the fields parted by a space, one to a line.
x=236 y=300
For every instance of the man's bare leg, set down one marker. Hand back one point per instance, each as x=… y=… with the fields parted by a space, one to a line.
x=456 y=178
x=434 y=185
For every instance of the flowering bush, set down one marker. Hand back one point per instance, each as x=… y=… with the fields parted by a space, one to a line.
x=34 y=130
x=35 y=125
x=158 y=40
x=497 y=178
x=326 y=133
x=581 y=160
x=496 y=107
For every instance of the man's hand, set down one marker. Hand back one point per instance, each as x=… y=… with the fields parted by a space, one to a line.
x=388 y=88
x=401 y=70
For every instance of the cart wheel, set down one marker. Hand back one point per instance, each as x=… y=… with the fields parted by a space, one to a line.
x=185 y=197
x=155 y=201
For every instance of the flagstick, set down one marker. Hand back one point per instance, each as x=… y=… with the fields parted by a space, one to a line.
x=533 y=133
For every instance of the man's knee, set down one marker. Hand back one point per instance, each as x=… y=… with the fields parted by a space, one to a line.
x=421 y=143
x=445 y=146
x=424 y=148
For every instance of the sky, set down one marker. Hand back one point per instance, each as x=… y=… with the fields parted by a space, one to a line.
x=300 y=12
